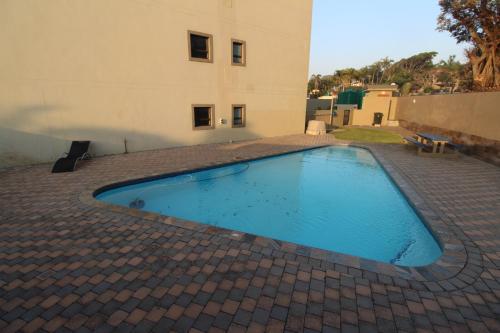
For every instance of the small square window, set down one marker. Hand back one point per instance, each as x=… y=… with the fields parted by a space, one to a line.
x=203 y=116
x=238 y=115
x=200 y=46
x=238 y=50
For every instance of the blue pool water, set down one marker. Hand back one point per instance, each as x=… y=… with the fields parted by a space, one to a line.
x=333 y=198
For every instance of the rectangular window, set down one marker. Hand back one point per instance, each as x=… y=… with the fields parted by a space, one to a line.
x=238 y=114
x=200 y=46
x=238 y=52
x=203 y=116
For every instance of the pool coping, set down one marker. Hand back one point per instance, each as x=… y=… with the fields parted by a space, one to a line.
x=458 y=266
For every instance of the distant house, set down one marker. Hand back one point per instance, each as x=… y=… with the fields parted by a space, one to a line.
x=321 y=103
x=373 y=106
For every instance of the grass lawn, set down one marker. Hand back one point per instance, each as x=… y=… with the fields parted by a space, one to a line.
x=367 y=135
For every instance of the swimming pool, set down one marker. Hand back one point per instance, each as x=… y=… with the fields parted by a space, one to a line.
x=333 y=198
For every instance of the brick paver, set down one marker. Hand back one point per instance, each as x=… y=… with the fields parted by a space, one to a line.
x=70 y=263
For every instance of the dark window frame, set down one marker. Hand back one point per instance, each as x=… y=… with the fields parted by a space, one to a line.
x=211 y=115
x=243 y=52
x=209 y=45
x=243 y=115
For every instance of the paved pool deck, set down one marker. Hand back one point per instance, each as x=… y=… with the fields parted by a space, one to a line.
x=69 y=263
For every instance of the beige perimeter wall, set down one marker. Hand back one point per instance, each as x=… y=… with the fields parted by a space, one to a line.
x=115 y=69
x=473 y=113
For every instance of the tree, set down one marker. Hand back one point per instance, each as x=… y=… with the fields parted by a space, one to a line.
x=378 y=70
x=414 y=69
x=451 y=73
x=415 y=74
x=347 y=76
x=476 y=22
x=321 y=85
x=417 y=63
x=317 y=80
x=313 y=86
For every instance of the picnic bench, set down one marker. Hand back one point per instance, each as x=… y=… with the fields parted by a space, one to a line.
x=438 y=142
x=420 y=145
x=432 y=143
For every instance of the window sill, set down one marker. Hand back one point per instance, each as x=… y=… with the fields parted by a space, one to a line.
x=202 y=128
x=200 y=60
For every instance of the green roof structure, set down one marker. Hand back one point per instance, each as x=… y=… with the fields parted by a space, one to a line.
x=351 y=96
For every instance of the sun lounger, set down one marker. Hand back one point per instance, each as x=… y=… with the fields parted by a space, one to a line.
x=77 y=152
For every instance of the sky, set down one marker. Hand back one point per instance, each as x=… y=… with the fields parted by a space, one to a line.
x=357 y=33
